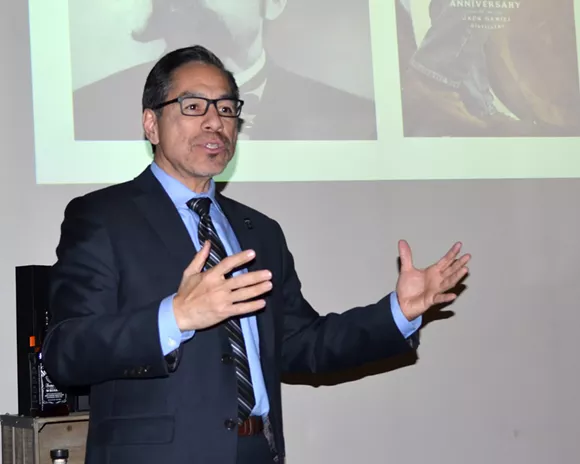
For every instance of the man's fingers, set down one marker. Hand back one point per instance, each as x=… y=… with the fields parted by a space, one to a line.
x=248 y=278
x=405 y=256
x=247 y=293
x=196 y=265
x=450 y=256
x=227 y=265
x=247 y=307
x=444 y=298
x=457 y=265
x=453 y=279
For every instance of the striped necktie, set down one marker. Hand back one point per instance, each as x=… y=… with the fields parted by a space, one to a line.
x=207 y=231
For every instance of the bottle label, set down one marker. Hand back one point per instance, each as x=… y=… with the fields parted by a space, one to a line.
x=49 y=394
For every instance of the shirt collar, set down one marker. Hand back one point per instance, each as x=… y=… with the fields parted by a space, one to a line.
x=178 y=192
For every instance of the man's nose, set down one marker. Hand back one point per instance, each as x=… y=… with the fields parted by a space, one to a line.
x=212 y=120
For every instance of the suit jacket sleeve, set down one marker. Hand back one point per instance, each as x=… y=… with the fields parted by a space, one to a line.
x=314 y=343
x=90 y=340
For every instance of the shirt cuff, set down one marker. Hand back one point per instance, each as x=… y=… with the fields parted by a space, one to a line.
x=169 y=334
x=407 y=328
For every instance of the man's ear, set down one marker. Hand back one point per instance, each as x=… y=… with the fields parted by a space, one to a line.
x=151 y=126
x=273 y=9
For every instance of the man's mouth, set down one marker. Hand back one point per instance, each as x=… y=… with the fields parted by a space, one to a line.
x=214 y=147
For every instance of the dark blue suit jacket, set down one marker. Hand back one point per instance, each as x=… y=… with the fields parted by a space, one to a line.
x=122 y=250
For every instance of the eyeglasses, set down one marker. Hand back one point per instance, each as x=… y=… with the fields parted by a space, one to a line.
x=226 y=107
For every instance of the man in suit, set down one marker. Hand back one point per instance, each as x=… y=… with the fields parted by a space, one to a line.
x=181 y=308
x=106 y=109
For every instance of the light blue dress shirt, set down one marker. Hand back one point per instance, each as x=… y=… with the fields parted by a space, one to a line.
x=169 y=334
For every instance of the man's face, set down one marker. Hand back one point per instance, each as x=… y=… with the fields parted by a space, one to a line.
x=193 y=148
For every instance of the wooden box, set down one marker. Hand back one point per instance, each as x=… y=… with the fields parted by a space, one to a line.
x=28 y=440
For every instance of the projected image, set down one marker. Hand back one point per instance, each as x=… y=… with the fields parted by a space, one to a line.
x=280 y=103
x=488 y=68
x=334 y=90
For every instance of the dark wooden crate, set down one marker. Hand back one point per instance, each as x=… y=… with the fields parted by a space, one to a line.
x=28 y=440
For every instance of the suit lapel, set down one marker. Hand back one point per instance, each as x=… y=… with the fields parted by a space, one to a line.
x=250 y=237
x=160 y=212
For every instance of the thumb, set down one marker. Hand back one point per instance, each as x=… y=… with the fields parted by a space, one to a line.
x=405 y=255
x=196 y=265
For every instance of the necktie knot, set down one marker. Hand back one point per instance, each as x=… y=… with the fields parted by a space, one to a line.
x=200 y=205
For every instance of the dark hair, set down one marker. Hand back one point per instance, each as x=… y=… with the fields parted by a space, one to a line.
x=159 y=80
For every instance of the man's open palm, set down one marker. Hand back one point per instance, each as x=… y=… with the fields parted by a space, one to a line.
x=419 y=289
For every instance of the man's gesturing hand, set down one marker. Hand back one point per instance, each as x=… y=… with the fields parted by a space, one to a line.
x=206 y=298
x=420 y=289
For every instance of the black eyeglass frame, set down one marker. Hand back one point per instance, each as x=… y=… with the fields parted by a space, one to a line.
x=209 y=101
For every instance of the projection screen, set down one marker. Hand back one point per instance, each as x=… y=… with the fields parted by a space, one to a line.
x=333 y=90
